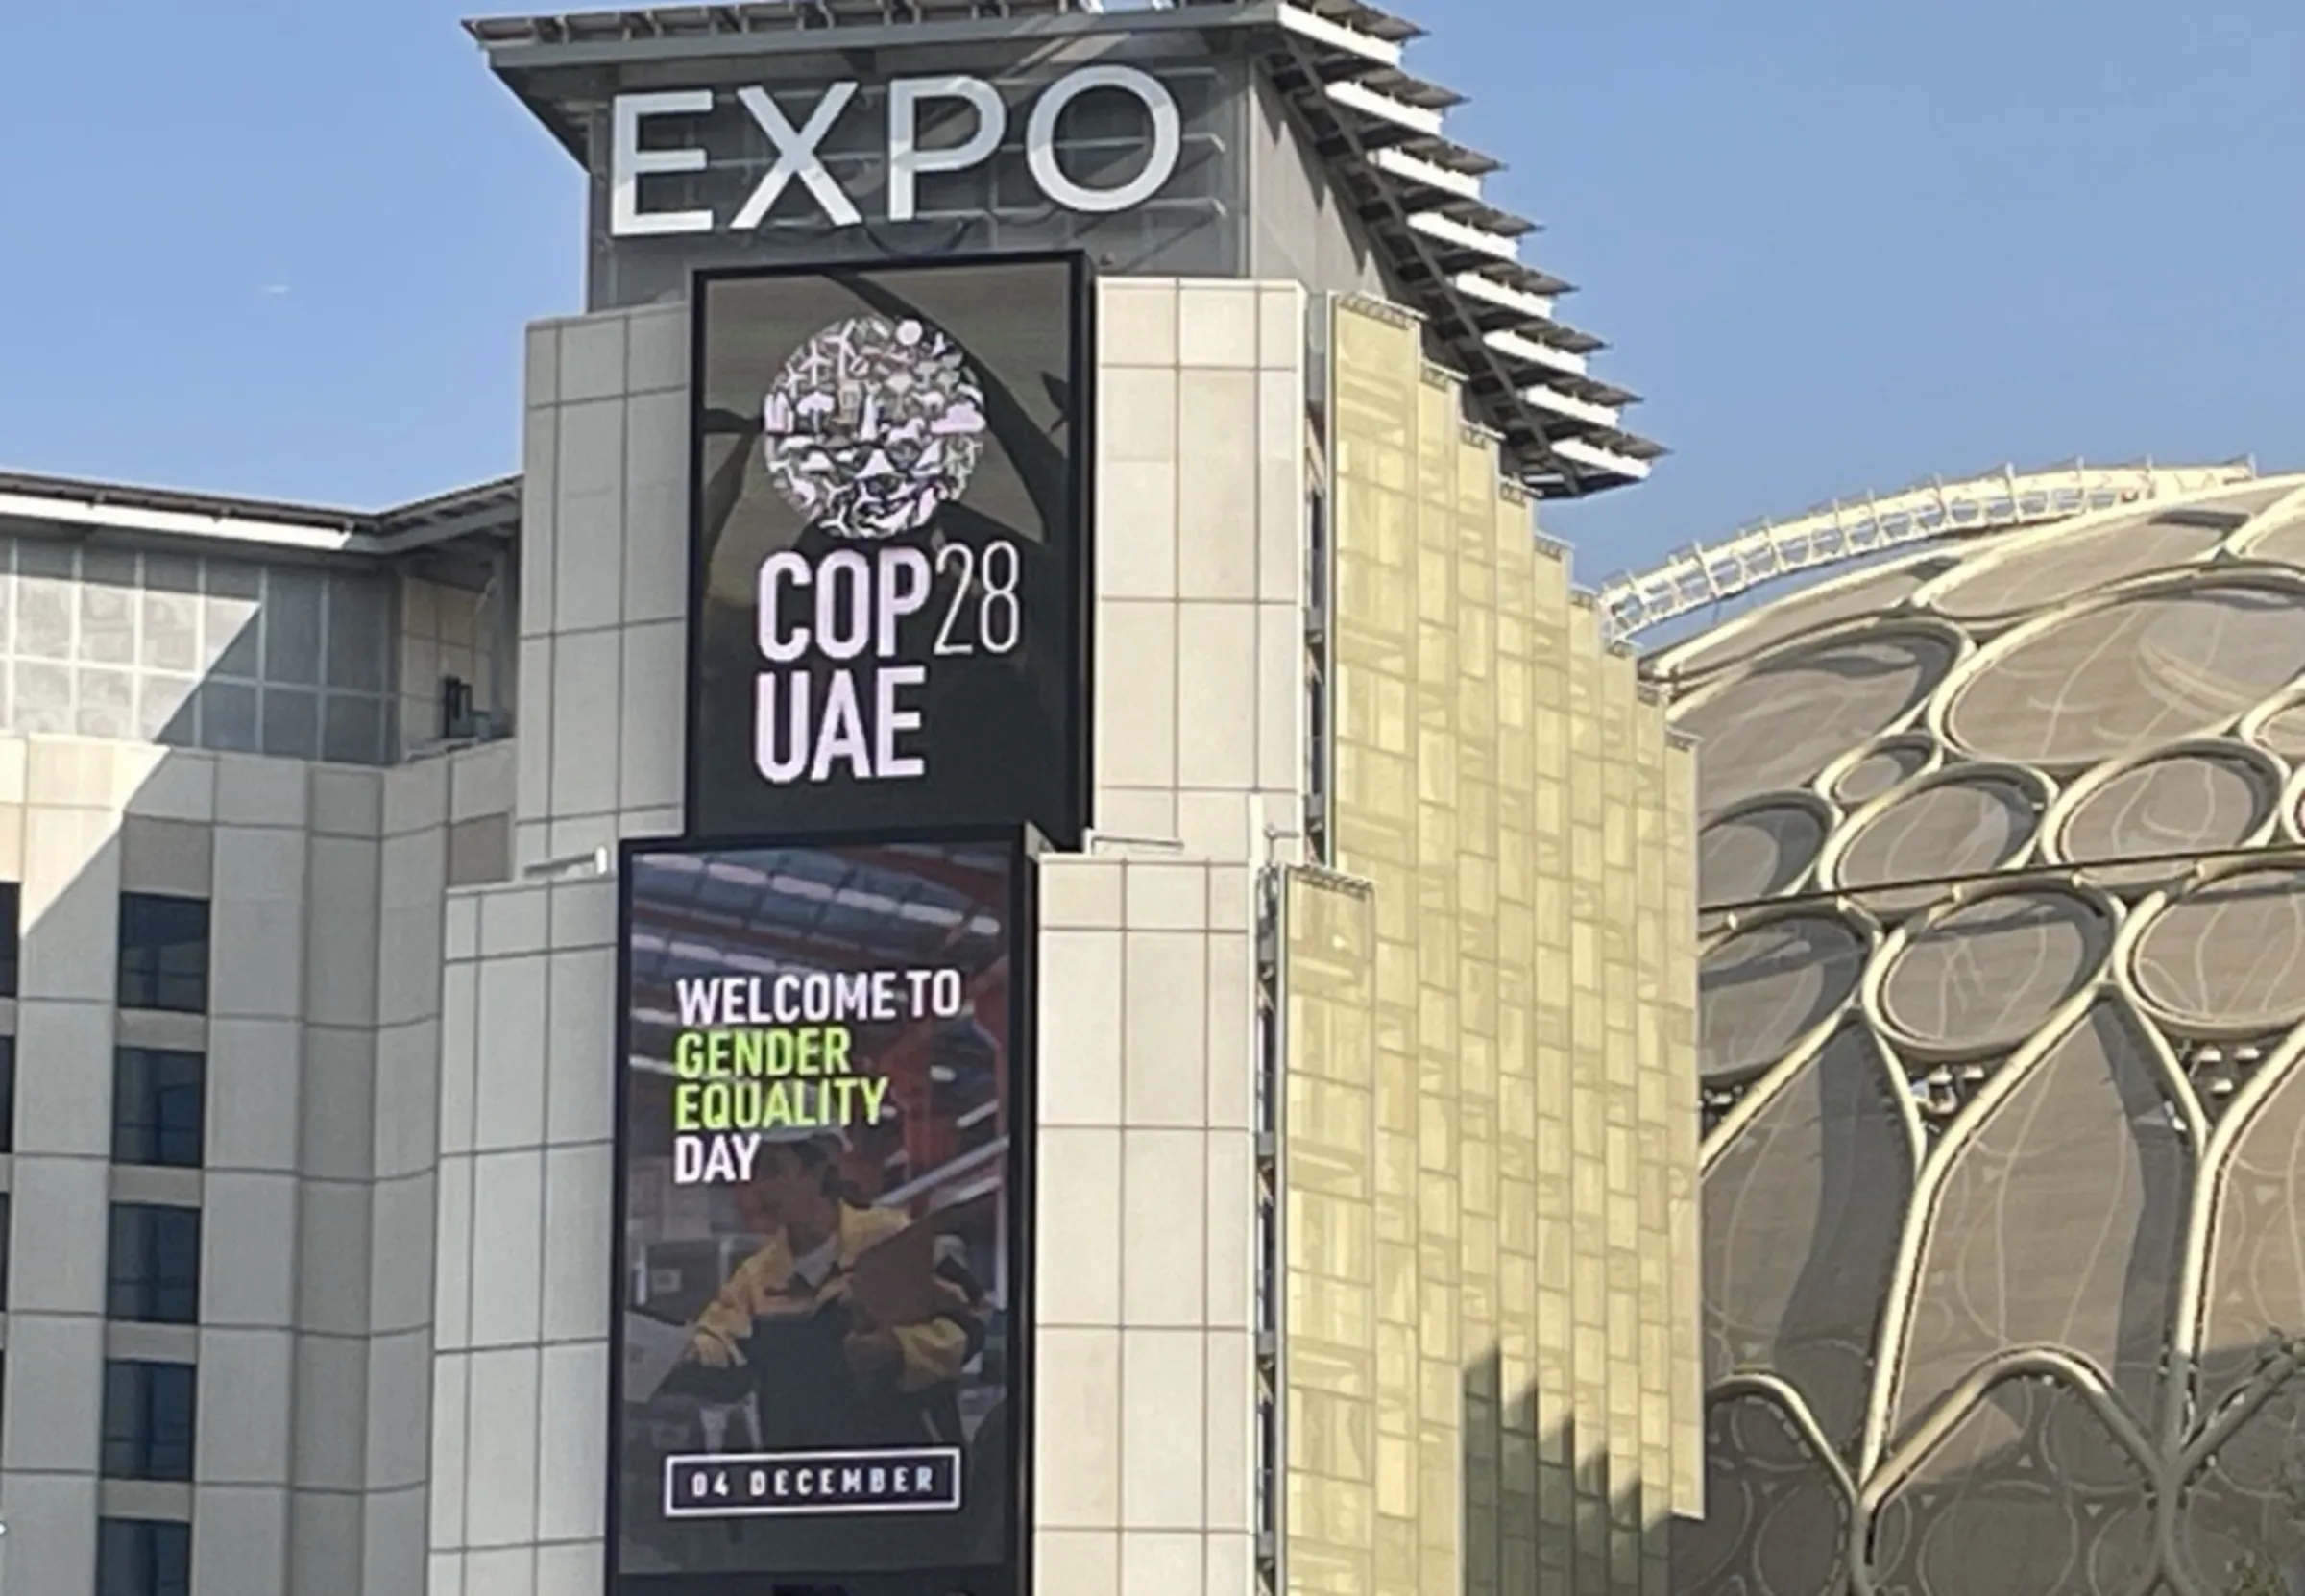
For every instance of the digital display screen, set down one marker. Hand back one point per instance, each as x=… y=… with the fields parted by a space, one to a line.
x=889 y=610
x=818 y=1324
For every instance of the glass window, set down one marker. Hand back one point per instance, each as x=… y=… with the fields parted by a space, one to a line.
x=163 y=952
x=148 y=1412
x=171 y=573
x=359 y=633
x=143 y=1556
x=353 y=730
x=8 y=1094
x=291 y=723
x=292 y=611
x=227 y=716
x=156 y=1102
x=153 y=1275
x=51 y=557
x=4 y=1249
x=11 y=937
x=231 y=578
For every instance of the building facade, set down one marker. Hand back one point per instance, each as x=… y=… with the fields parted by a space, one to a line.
x=2000 y=1017
x=1363 y=1218
x=1491 y=1220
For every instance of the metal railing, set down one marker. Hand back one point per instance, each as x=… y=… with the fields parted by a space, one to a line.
x=1847 y=530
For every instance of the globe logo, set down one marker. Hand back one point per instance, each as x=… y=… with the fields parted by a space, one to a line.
x=872 y=426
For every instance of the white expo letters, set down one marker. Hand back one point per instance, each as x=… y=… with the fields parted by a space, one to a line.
x=796 y=147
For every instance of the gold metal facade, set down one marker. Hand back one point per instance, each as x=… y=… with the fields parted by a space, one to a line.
x=1491 y=1358
x=2002 y=1054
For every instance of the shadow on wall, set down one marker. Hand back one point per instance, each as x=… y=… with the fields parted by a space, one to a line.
x=267 y=1218
x=246 y=656
x=1536 y=1516
x=197 y=651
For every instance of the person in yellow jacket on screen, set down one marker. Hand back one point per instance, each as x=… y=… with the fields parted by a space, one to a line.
x=787 y=1323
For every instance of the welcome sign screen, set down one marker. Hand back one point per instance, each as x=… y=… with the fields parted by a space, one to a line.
x=816 y=1360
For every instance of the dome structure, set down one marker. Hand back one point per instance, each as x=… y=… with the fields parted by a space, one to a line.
x=2003 y=1033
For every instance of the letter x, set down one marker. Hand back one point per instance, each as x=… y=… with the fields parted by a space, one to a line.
x=796 y=157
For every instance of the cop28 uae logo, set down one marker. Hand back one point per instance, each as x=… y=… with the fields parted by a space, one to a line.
x=872 y=426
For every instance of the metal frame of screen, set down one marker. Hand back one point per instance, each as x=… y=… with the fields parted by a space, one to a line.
x=1067 y=832
x=1013 y=1577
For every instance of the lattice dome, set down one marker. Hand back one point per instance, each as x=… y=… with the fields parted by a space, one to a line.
x=2003 y=1008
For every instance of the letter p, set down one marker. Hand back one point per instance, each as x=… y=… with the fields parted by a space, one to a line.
x=906 y=159
x=902 y=591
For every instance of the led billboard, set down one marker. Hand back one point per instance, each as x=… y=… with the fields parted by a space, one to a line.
x=819 y=1329
x=888 y=611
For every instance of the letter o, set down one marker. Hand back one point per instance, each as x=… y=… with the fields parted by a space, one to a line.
x=843 y=605
x=947 y=996
x=1168 y=139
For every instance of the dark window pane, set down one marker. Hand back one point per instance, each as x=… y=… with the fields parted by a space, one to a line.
x=227 y=716
x=55 y=557
x=157 y=1107
x=291 y=723
x=171 y=573
x=8 y=1094
x=148 y=1412
x=11 y=937
x=292 y=607
x=233 y=578
x=153 y=1275
x=355 y=731
x=4 y=1248
x=359 y=633
x=143 y=1556
x=163 y=952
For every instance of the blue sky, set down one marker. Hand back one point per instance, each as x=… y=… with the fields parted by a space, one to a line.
x=280 y=248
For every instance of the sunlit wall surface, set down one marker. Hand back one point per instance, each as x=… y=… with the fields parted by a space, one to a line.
x=2004 y=970
x=1489 y=1148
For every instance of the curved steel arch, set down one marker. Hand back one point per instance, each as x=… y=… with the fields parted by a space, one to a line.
x=1832 y=533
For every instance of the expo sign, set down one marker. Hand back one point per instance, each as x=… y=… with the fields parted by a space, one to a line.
x=796 y=146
